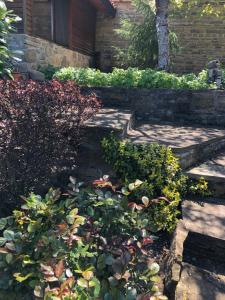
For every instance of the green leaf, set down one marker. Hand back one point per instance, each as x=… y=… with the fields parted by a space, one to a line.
x=71 y=217
x=2 y=241
x=9 y=235
x=27 y=260
x=101 y=262
x=155 y=279
x=32 y=227
x=154 y=269
x=82 y=282
x=131 y=186
x=10 y=246
x=3 y=223
x=97 y=287
x=90 y=211
x=20 y=278
x=9 y=258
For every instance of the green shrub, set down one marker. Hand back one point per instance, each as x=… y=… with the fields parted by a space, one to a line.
x=48 y=71
x=7 y=57
x=161 y=176
x=133 y=77
x=140 y=37
x=86 y=245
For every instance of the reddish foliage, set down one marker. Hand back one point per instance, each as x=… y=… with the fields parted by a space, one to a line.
x=39 y=132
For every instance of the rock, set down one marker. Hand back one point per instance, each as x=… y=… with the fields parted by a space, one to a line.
x=199 y=284
x=36 y=75
x=174 y=262
x=23 y=67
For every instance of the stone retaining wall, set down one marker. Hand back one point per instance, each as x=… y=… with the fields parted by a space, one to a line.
x=203 y=107
x=40 y=52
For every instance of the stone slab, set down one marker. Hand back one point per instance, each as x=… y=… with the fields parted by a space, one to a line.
x=114 y=119
x=213 y=169
x=198 y=284
x=205 y=218
x=174 y=136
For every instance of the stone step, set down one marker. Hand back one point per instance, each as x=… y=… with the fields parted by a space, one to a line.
x=110 y=119
x=199 y=284
x=205 y=218
x=190 y=144
x=196 y=262
x=91 y=161
x=213 y=170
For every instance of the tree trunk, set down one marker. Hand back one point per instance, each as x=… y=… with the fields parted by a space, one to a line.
x=162 y=29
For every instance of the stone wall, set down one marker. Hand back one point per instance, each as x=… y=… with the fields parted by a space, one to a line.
x=201 y=38
x=203 y=107
x=40 y=52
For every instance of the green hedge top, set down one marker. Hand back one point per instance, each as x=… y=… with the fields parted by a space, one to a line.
x=133 y=77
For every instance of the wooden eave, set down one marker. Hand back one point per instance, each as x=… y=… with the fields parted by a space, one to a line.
x=104 y=6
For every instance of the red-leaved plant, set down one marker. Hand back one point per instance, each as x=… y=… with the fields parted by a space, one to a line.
x=39 y=132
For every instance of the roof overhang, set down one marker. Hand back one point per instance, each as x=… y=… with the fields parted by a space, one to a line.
x=105 y=6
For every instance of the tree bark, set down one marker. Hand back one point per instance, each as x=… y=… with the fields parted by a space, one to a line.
x=162 y=7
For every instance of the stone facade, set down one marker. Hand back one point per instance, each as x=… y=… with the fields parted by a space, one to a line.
x=39 y=52
x=201 y=38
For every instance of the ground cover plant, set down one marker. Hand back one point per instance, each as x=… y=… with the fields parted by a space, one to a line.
x=39 y=134
x=88 y=243
x=133 y=77
x=163 y=183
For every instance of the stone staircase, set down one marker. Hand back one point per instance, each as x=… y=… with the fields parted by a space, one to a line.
x=197 y=261
x=200 y=243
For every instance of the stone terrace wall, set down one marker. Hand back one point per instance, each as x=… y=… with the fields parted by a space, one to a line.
x=206 y=107
x=40 y=52
x=201 y=39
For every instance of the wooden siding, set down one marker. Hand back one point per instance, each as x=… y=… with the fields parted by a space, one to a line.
x=17 y=7
x=42 y=19
x=82 y=26
x=23 y=9
x=61 y=22
x=28 y=8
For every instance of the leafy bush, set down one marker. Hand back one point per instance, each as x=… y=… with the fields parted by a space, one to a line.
x=133 y=77
x=141 y=38
x=48 y=71
x=7 y=19
x=161 y=176
x=39 y=133
x=89 y=244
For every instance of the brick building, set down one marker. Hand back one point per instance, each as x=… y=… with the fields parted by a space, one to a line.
x=82 y=33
